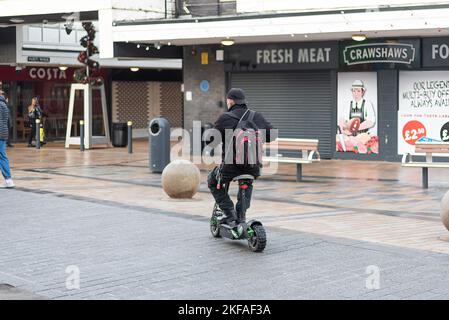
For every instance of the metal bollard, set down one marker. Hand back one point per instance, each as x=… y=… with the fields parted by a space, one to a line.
x=81 y=135
x=130 y=137
x=38 y=133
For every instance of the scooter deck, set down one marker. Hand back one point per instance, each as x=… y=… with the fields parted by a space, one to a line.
x=225 y=231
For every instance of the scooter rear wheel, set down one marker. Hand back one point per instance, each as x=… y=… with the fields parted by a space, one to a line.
x=258 y=241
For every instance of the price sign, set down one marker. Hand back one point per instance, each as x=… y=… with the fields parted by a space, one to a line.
x=413 y=131
x=444 y=132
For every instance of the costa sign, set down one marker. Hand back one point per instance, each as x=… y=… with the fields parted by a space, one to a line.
x=32 y=73
x=47 y=74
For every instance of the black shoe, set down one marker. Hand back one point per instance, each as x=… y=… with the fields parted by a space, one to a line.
x=230 y=217
x=10 y=145
x=30 y=145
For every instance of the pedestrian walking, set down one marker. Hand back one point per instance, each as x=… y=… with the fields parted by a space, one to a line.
x=4 y=134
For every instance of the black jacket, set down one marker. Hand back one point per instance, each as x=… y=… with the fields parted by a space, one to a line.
x=227 y=122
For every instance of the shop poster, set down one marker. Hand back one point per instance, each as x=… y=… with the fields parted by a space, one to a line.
x=357 y=113
x=423 y=108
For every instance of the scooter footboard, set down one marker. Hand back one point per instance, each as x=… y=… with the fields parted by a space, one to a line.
x=225 y=231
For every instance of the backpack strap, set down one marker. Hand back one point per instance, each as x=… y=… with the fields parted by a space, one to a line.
x=251 y=116
x=232 y=115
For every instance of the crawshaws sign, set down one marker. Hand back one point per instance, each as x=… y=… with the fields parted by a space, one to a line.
x=380 y=52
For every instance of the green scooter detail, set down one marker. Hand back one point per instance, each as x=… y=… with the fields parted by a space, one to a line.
x=253 y=230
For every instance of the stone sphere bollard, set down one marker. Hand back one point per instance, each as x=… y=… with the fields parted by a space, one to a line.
x=445 y=210
x=181 y=179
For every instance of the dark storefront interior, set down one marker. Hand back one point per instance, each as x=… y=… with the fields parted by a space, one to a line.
x=54 y=101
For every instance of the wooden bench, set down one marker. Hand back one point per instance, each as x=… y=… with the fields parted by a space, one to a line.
x=307 y=148
x=430 y=149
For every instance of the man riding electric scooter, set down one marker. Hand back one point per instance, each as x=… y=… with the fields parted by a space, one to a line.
x=220 y=177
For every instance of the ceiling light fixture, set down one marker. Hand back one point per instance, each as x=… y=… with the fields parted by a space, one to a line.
x=138 y=46
x=63 y=68
x=227 y=42
x=134 y=69
x=358 y=37
x=16 y=20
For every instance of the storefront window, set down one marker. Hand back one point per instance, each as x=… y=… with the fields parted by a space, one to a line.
x=52 y=87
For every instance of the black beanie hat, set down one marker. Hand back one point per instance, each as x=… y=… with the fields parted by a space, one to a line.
x=236 y=94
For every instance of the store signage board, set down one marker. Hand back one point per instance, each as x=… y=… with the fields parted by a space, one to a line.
x=282 y=56
x=435 y=52
x=382 y=53
x=379 y=53
x=38 y=59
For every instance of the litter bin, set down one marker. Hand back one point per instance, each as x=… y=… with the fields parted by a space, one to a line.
x=119 y=134
x=159 y=141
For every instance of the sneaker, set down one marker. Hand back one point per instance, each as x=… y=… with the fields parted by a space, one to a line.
x=10 y=145
x=9 y=183
x=230 y=217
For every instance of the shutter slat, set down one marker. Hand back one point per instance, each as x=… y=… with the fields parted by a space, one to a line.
x=299 y=104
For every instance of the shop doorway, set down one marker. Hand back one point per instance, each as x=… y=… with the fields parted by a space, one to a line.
x=54 y=101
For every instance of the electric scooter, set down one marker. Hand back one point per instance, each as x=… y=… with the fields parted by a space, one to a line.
x=253 y=230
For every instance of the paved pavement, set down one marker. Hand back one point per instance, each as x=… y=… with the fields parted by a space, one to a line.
x=125 y=253
x=103 y=213
x=8 y=292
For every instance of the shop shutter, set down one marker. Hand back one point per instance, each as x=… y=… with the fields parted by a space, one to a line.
x=299 y=104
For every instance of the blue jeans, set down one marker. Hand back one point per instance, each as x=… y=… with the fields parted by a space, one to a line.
x=4 y=162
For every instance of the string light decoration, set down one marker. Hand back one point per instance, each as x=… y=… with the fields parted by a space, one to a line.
x=87 y=73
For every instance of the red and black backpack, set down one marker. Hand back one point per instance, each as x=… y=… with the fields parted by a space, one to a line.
x=247 y=141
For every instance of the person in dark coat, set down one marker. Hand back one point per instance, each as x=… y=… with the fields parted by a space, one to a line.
x=34 y=112
x=224 y=173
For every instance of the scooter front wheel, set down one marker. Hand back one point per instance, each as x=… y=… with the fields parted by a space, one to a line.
x=258 y=241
